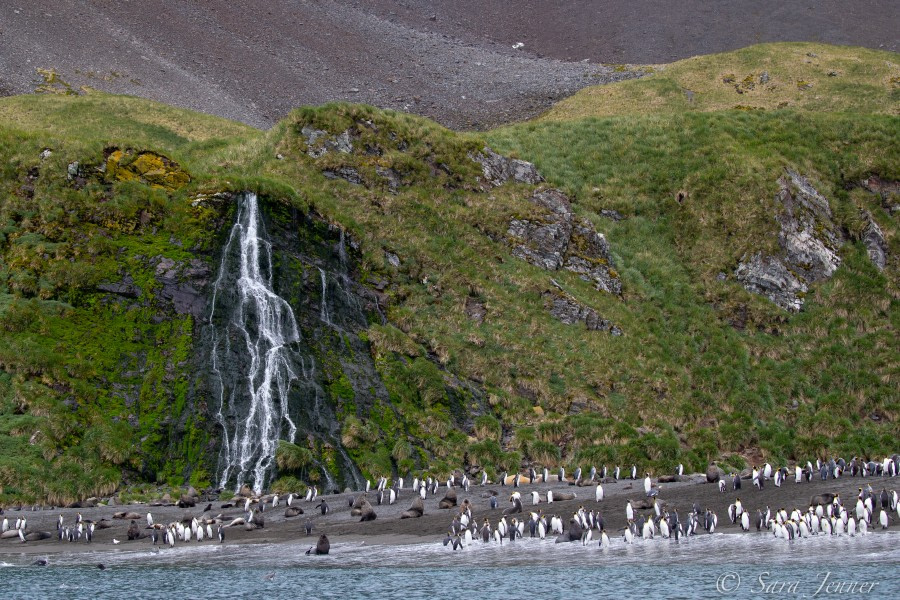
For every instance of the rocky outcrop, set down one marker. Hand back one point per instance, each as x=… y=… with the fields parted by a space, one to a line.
x=768 y=276
x=346 y=173
x=873 y=238
x=499 y=169
x=150 y=168
x=570 y=312
x=887 y=190
x=552 y=239
x=808 y=241
x=126 y=288
x=319 y=142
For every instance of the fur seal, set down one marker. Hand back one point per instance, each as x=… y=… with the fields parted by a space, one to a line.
x=323 y=546
x=357 y=506
x=823 y=498
x=515 y=508
x=292 y=511
x=367 y=512
x=416 y=510
x=449 y=500
x=134 y=531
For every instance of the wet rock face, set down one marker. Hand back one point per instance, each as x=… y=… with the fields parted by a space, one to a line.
x=499 y=169
x=552 y=239
x=570 y=312
x=809 y=241
x=184 y=285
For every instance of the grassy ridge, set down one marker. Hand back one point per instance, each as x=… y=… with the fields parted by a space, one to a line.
x=704 y=370
x=799 y=76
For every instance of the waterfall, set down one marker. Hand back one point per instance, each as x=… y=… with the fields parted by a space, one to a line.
x=323 y=310
x=263 y=323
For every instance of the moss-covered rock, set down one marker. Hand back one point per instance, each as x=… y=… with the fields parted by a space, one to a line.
x=154 y=169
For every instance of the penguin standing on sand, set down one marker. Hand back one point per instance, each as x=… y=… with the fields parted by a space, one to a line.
x=323 y=506
x=648 y=484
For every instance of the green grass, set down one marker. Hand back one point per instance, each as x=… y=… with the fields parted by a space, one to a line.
x=704 y=371
x=799 y=76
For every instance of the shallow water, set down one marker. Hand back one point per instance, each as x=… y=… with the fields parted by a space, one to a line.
x=700 y=567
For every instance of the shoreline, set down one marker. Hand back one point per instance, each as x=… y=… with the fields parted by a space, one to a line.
x=389 y=530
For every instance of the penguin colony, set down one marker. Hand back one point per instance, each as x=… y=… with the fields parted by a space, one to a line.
x=826 y=514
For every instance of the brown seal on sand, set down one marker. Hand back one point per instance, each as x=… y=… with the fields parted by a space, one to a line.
x=416 y=510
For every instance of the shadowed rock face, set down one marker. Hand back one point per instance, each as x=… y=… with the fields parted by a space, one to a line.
x=551 y=238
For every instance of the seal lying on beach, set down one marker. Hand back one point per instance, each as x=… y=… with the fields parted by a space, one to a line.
x=323 y=546
x=292 y=511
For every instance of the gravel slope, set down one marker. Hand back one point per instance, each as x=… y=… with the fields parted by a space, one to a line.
x=453 y=61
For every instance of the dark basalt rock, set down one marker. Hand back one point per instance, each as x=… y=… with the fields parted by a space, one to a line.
x=184 y=285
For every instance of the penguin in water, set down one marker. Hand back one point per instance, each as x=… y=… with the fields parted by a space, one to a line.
x=604 y=539
x=485 y=531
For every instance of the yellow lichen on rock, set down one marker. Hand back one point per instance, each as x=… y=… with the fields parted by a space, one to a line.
x=151 y=168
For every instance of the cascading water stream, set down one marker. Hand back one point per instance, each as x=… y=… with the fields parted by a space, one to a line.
x=265 y=324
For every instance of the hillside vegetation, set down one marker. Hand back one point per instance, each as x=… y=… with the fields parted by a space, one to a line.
x=476 y=366
x=800 y=76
